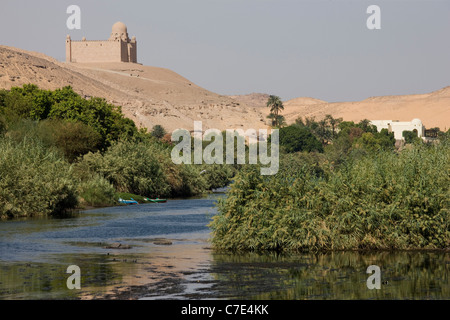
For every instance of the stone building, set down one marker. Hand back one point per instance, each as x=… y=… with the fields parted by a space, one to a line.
x=397 y=127
x=118 y=48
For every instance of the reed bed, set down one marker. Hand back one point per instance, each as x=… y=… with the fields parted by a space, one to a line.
x=379 y=200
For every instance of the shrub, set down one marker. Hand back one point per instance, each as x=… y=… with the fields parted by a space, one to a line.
x=2 y=126
x=74 y=139
x=297 y=138
x=380 y=200
x=26 y=102
x=217 y=176
x=30 y=102
x=104 y=118
x=97 y=192
x=158 y=131
x=131 y=167
x=34 y=181
x=377 y=141
x=410 y=136
x=71 y=139
x=192 y=183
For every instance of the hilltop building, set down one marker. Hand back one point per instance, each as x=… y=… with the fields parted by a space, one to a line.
x=118 y=48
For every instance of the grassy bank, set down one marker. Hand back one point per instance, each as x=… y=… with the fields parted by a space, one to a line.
x=60 y=152
x=372 y=200
x=34 y=179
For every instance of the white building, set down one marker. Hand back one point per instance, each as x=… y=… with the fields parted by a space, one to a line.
x=397 y=127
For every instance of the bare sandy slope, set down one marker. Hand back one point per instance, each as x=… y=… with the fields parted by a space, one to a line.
x=255 y=100
x=151 y=95
x=148 y=95
x=432 y=108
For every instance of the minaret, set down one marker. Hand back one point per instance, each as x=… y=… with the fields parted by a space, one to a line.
x=68 y=49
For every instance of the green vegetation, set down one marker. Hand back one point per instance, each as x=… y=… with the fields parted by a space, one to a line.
x=34 y=178
x=30 y=102
x=143 y=168
x=410 y=136
x=158 y=131
x=97 y=191
x=72 y=139
x=341 y=185
x=296 y=138
x=60 y=151
x=324 y=130
x=359 y=194
x=276 y=106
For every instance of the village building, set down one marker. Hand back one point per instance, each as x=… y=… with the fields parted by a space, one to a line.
x=397 y=127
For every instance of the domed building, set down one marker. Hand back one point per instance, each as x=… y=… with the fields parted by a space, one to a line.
x=397 y=127
x=119 y=31
x=118 y=48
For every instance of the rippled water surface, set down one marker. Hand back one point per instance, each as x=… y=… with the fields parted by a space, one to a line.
x=164 y=253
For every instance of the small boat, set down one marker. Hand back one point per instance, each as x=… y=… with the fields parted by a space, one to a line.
x=157 y=200
x=132 y=201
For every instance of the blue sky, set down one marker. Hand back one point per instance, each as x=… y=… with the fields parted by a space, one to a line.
x=291 y=48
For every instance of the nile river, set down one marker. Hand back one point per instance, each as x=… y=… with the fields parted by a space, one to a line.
x=164 y=253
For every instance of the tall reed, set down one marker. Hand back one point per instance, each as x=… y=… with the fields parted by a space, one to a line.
x=34 y=180
x=381 y=200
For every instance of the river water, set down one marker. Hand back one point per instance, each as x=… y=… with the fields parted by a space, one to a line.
x=164 y=253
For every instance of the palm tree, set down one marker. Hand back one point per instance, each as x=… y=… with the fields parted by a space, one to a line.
x=276 y=105
x=278 y=120
x=334 y=123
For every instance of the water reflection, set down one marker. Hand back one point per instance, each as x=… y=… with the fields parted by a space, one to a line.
x=23 y=281
x=192 y=271
x=339 y=275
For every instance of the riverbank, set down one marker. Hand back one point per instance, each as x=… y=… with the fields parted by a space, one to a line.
x=383 y=200
x=57 y=148
x=35 y=254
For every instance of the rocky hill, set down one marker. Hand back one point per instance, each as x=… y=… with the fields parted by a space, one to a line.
x=148 y=95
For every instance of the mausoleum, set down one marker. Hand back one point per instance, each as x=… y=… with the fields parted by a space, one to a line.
x=118 y=48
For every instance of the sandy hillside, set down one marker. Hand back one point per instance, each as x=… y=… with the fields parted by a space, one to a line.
x=432 y=108
x=151 y=95
x=148 y=95
x=255 y=100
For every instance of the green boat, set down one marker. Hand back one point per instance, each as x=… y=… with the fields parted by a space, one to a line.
x=157 y=200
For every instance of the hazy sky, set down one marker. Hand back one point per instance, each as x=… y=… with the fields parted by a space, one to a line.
x=291 y=48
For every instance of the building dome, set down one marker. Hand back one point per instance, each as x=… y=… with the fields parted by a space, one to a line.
x=416 y=122
x=119 y=27
x=119 y=31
